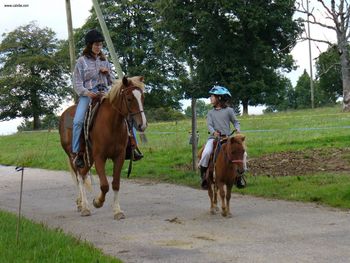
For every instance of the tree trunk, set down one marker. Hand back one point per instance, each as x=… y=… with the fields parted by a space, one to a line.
x=345 y=71
x=36 y=122
x=245 y=106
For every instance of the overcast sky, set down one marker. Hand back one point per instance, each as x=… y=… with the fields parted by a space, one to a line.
x=52 y=14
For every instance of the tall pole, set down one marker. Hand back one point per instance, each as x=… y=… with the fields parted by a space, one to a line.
x=194 y=134
x=70 y=36
x=310 y=57
x=108 y=39
x=71 y=41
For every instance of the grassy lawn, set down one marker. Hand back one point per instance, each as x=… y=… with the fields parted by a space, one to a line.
x=37 y=243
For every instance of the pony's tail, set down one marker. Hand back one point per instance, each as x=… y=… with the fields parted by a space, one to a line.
x=87 y=181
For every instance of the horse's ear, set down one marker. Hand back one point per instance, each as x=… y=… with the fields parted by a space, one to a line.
x=243 y=138
x=141 y=78
x=125 y=81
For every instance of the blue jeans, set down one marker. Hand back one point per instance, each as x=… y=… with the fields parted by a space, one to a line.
x=78 y=120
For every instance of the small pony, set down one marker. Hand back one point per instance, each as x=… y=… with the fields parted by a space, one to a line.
x=229 y=164
x=109 y=139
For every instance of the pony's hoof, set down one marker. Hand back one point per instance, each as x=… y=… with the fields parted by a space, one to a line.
x=224 y=213
x=119 y=216
x=213 y=211
x=97 y=204
x=229 y=215
x=79 y=208
x=85 y=212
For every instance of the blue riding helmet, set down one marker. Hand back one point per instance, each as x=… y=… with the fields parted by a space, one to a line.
x=218 y=90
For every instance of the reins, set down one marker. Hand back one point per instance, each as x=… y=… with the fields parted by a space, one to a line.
x=122 y=94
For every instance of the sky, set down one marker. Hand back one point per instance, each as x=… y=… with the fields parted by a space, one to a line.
x=52 y=14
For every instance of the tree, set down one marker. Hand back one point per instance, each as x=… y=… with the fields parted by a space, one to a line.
x=328 y=71
x=33 y=76
x=201 y=109
x=239 y=44
x=339 y=15
x=282 y=100
x=302 y=91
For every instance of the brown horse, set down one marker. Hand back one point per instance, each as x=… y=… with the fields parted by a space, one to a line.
x=228 y=166
x=109 y=138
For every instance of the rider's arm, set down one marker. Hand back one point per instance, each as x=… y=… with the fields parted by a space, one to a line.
x=110 y=77
x=78 y=79
x=210 y=123
x=234 y=121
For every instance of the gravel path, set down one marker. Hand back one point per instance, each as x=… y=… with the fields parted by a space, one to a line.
x=168 y=223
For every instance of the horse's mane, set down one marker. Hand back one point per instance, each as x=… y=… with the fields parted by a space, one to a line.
x=118 y=84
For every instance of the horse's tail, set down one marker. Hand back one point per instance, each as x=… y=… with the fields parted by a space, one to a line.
x=87 y=181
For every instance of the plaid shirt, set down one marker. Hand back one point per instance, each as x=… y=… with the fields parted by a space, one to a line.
x=87 y=74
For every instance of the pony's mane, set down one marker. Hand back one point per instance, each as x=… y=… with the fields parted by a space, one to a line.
x=118 y=84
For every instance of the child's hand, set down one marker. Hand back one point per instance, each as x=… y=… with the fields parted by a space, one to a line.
x=104 y=70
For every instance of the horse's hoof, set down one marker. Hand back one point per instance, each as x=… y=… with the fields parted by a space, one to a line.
x=229 y=215
x=216 y=209
x=85 y=212
x=213 y=211
x=224 y=213
x=119 y=216
x=97 y=204
x=79 y=208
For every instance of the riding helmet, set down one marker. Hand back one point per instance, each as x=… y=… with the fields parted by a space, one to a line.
x=220 y=91
x=93 y=36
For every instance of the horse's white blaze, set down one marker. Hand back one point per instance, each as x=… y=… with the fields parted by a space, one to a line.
x=116 y=206
x=138 y=95
x=84 y=201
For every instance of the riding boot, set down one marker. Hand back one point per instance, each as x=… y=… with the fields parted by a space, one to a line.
x=241 y=182
x=137 y=154
x=204 y=181
x=78 y=160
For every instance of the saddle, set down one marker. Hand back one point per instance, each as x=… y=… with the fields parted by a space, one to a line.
x=217 y=144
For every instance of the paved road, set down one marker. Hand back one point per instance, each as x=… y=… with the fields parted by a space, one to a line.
x=168 y=223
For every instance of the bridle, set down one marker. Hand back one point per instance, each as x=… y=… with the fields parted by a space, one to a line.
x=123 y=94
x=228 y=155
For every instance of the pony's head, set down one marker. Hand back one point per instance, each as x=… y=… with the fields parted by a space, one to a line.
x=127 y=96
x=235 y=150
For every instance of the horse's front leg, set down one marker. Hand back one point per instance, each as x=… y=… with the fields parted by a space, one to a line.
x=104 y=187
x=82 y=201
x=118 y=164
x=228 y=198
x=223 y=199
x=211 y=193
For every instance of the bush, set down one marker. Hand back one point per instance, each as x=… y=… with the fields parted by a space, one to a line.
x=163 y=114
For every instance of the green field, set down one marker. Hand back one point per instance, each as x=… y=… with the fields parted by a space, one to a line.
x=168 y=159
x=37 y=243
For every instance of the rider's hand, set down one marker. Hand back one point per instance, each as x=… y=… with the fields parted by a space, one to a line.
x=92 y=95
x=216 y=134
x=104 y=70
